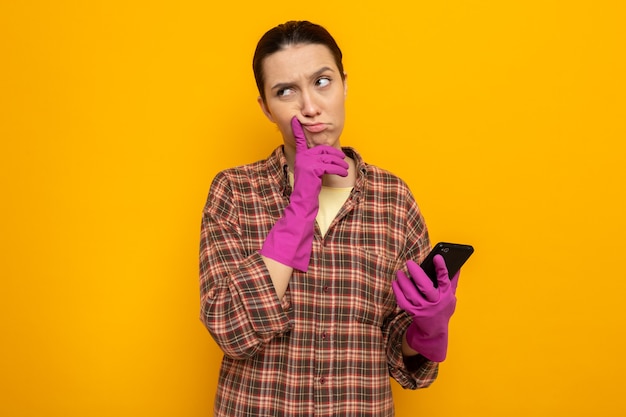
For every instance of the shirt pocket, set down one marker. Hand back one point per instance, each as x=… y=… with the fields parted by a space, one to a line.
x=372 y=298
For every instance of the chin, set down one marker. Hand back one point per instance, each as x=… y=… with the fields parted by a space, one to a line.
x=324 y=140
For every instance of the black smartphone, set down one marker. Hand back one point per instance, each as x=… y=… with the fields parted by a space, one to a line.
x=455 y=255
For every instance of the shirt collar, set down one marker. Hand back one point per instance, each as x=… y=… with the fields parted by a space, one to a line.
x=277 y=170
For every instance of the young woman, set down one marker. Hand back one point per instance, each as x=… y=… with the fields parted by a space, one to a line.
x=308 y=259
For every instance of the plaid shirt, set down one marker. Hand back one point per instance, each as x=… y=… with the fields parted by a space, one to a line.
x=329 y=346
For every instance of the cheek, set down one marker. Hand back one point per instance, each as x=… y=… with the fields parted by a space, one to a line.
x=281 y=117
x=284 y=122
x=339 y=103
x=340 y=113
x=283 y=112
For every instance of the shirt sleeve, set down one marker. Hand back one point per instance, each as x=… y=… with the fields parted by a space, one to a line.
x=410 y=374
x=239 y=304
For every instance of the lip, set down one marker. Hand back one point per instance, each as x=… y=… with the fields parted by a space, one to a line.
x=315 y=127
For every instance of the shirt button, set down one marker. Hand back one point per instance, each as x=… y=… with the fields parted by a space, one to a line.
x=211 y=294
x=324 y=335
x=322 y=380
x=325 y=289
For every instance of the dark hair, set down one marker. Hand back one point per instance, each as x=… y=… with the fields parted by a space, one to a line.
x=291 y=33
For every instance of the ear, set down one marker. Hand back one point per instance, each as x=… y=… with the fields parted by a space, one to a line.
x=266 y=111
x=345 y=84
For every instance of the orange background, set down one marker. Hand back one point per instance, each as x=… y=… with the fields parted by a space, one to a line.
x=507 y=119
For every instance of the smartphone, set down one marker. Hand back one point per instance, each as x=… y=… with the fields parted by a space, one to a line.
x=455 y=255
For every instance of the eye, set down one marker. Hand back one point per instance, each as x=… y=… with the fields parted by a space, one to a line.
x=323 y=82
x=284 y=92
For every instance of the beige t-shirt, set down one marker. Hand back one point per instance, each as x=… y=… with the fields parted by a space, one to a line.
x=331 y=200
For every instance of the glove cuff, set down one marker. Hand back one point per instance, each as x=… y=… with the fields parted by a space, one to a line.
x=433 y=347
x=290 y=241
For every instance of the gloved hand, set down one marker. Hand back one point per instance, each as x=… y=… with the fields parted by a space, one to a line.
x=291 y=239
x=430 y=307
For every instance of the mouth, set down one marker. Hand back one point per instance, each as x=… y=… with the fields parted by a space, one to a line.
x=314 y=127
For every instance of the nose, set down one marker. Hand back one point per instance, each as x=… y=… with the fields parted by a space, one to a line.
x=309 y=105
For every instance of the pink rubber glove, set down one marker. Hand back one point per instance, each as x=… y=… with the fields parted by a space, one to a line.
x=291 y=239
x=430 y=307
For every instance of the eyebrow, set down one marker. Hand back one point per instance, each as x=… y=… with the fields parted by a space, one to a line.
x=312 y=76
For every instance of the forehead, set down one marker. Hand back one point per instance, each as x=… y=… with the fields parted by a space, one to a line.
x=297 y=61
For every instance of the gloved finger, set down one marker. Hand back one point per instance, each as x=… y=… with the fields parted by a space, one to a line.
x=442 y=273
x=322 y=168
x=298 y=134
x=401 y=299
x=326 y=150
x=409 y=289
x=327 y=163
x=422 y=281
x=335 y=170
x=333 y=162
x=333 y=159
